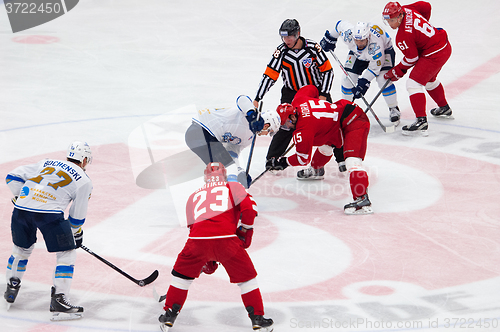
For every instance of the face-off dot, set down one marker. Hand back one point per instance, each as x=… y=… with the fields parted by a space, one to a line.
x=376 y=290
x=35 y=39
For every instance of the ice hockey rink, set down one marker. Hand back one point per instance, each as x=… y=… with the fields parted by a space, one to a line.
x=126 y=76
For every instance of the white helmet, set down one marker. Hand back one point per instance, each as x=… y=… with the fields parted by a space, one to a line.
x=361 y=31
x=79 y=151
x=272 y=117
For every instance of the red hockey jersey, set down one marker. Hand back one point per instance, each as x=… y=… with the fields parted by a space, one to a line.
x=318 y=124
x=416 y=37
x=213 y=211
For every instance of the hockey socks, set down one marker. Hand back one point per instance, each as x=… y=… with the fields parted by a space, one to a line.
x=177 y=292
x=358 y=180
x=254 y=299
x=417 y=101
x=436 y=92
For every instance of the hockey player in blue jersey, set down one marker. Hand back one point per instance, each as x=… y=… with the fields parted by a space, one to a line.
x=220 y=134
x=42 y=192
x=370 y=56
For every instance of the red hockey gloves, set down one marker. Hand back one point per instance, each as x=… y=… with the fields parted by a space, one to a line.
x=245 y=235
x=395 y=73
x=360 y=90
x=328 y=42
x=276 y=164
x=209 y=267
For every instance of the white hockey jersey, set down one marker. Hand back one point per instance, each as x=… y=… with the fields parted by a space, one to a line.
x=229 y=126
x=378 y=42
x=49 y=186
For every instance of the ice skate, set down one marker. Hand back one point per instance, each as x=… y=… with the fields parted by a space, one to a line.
x=442 y=112
x=311 y=174
x=168 y=318
x=259 y=323
x=394 y=115
x=419 y=127
x=361 y=205
x=11 y=292
x=61 y=309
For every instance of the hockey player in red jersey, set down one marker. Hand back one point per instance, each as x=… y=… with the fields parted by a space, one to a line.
x=425 y=49
x=322 y=124
x=220 y=216
x=300 y=62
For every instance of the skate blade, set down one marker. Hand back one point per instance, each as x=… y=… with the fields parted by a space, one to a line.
x=450 y=117
x=8 y=306
x=423 y=133
x=60 y=316
x=264 y=329
x=165 y=327
x=311 y=178
x=396 y=123
x=363 y=210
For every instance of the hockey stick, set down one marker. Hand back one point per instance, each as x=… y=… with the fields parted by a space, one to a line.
x=259 y=110
x=261 y=174
x=142 y=282
x=378 y=94
x=389 y=129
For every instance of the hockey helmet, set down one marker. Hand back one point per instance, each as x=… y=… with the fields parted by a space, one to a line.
x=392 y=10
x=79 y=151
x=215 y=172
x=361 y=31
x=284 y=111
x=290 y=27
x=274 y=120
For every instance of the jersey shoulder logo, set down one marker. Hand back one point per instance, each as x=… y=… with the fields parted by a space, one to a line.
x=347 y=36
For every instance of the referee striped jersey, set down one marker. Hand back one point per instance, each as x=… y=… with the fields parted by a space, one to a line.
x=298 y=68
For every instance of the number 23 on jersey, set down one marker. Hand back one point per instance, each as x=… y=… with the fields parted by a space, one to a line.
x=210 y=201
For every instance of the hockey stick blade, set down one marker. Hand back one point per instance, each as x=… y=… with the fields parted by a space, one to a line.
x=152 y=277
x=390 y=129
x=141 y=283
x=266 y=170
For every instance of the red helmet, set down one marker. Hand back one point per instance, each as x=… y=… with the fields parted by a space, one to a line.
x=215 y=172
x=391 y=10
x=284 y=111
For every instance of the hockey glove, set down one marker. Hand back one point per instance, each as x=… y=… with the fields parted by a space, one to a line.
x=255 y=122
x=276 y=164
x=360 y=90
x=79 y=237
x=209 y=267
x=395 y=73
x=14 y=199
x=245 y=235
x=328 y=42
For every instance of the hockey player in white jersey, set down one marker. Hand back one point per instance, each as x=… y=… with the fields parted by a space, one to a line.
x=42 y=192
x=220 y=134
x=370 y=56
